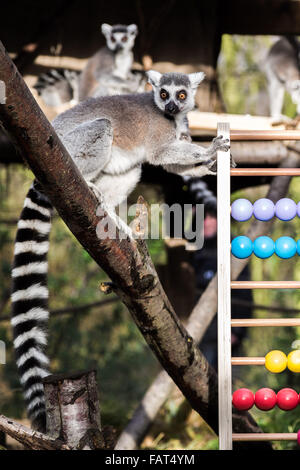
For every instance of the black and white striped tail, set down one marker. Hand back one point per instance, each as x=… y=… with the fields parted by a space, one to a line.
x=57 y=86
x=30 y=300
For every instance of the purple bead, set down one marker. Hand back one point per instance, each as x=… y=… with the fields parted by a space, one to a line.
x=263 y=209
x=241 y=210
x=285 y=209
x=298 y=209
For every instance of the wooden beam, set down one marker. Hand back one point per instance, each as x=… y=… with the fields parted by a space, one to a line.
x=265 y=284
x=265 y=135
x=224 y=296
x=283 y=436
x=265 y=172
x=240 y=322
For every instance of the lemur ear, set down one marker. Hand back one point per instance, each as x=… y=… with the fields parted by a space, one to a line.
x=106 y=29
x=153 y=77
x=133 y=29
x=196 y=79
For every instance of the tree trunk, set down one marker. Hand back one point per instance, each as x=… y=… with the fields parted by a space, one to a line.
x=72 y=409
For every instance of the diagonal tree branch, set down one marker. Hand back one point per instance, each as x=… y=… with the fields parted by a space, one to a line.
x=126 y=261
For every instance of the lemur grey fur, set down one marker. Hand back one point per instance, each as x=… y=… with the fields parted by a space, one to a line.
x=107 y=72
x=108 y=138
x=282 y=68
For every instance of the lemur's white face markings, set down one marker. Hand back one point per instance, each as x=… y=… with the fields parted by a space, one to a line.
x=174 y=92
x=119 y=37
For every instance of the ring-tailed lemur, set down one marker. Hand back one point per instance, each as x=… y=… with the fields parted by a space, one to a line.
x=108 y=138
x=282 y=68
x=107 y=72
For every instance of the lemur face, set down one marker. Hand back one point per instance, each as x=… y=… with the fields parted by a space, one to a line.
x=119 y=37
x=174 y=93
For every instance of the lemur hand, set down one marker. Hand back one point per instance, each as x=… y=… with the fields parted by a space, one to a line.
x=219 y=144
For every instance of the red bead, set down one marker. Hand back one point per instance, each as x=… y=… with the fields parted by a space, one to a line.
x=265 y=399
x=287 y=399
x=298 y=437
x=243 y=399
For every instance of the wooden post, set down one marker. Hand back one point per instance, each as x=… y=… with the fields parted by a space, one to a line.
x=72 y=408
x=224 y=295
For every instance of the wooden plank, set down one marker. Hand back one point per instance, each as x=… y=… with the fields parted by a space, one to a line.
x=265 y=284
x=248 y=361
x=224 y=295
x=200 y=121
x=240 y=322
x=283 y=436
x=265 y=172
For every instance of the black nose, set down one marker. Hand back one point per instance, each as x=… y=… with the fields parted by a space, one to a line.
x=118 y=47
x=171 y=108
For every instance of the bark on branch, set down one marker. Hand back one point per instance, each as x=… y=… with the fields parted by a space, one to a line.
x=126 y=261
x=28 y=437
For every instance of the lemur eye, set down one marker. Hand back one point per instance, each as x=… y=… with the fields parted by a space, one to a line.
x=182 y=95
x=124 y=38
x=164 y=94
x=112 y=38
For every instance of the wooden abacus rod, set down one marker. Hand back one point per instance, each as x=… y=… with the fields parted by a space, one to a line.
x=265 y=284
x=265 y=172
x=248 y=361
x=265 y=135
x=282 y=436
x=240 y=322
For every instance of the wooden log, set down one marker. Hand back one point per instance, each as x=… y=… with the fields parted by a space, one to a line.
x=240 y=322
x=72 y=409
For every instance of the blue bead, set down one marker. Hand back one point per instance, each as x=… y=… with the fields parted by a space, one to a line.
x=263 y=247
x=285 y=247
x=298 y=247
x=241 y=247
x=241 y=210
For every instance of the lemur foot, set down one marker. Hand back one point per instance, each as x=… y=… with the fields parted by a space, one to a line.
x=213 y=167
x=95 y=191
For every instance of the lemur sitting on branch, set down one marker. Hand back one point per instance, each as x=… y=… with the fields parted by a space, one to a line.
x=282 y=68
x=107 y=72
x=108 y=138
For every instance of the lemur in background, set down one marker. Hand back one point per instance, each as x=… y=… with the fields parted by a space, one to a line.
x=282 y=68
x=108 y=138
x=107 y=72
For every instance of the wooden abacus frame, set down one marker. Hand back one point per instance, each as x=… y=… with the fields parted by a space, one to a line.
x=225 y=323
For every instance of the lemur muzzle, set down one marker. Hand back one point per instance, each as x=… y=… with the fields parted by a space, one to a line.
x=171 y=108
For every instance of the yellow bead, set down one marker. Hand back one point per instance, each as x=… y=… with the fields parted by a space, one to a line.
x=275 y=361
x=294 y=360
